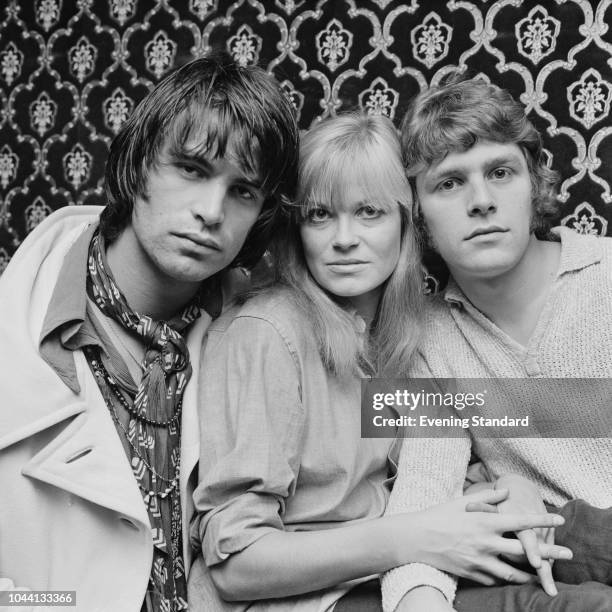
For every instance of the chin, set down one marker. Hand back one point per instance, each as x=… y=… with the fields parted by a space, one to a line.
x=339 y=289
x=491 y=271
x=348 y=292
x=185 y=274
x=489 y=264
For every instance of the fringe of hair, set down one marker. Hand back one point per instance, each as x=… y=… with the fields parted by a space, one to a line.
x=348 y=141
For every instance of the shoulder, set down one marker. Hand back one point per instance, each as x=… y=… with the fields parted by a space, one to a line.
x=271 y=321
x=437 y=318
x=274 y=309
x=605 y=243
x=49 y=242
x=28 y=283
x=60 y=227
x=580 y=251
x=440 y=332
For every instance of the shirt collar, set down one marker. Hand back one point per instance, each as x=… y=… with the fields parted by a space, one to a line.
x=66 y=311
x=67 y=326
x=67 y=308
x=211 y=295
x=577 y=252
x=453 y=294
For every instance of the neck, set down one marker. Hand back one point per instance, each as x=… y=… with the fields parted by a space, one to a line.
x=147 y=289
x=514 y=300
x=366 y=305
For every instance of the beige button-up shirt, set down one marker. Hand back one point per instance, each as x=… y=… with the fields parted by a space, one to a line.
x=281 y=445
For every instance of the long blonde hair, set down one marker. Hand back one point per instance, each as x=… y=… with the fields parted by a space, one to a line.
x=364 y=149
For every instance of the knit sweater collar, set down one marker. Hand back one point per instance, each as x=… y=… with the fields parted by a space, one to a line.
x=577 y=252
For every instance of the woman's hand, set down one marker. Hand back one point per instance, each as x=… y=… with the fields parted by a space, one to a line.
x=468 y=544
x=424 y=598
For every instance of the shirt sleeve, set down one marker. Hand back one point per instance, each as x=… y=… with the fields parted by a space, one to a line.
x=250 y=432
x=431 y=471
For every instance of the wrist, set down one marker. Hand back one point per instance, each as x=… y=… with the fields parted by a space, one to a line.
x=398 y=538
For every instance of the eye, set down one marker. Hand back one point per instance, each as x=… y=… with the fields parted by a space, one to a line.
x=245 y=193
x=369 y=211
x=501 y=173
x=448 y=184
x=191 y=170
x=318 y=214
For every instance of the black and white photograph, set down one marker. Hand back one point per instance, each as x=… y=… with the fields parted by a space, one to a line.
x=306 y=305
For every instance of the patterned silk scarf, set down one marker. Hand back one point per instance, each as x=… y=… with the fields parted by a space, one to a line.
x=149 y=423
x=166 y=367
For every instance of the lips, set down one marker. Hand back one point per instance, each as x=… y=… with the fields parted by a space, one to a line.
x=483 y=231
x=346 y=267
x=346 y=262
x=201 y=241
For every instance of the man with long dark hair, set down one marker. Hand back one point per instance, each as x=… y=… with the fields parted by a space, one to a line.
x=101 y=331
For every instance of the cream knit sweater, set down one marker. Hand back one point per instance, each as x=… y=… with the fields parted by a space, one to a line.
x=573 y=338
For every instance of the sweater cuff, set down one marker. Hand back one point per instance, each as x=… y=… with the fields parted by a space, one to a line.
x=398 y=581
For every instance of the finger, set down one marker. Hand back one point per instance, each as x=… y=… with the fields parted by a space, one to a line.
x=549 y=539
x=482 y=578
x=507 y=573
x=480 y=507
x=513 y=550
x=545 y=535
x=508 y=547
x=529 y=540
x=533 y=579
x=555 y=551
x=546 y=579
x=515 y=559
x=487 y=496
x=519 y=522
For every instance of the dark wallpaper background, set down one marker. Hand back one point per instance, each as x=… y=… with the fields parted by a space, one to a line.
x=72 y=70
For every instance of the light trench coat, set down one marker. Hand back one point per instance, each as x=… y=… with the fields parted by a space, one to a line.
x=72 y=516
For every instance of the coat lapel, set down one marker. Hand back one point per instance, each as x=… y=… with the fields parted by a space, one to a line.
x=87 y=459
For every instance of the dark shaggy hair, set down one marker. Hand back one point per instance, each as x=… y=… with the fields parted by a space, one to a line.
x=222 y=105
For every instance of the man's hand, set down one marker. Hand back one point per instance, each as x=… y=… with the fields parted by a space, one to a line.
x=538 y=543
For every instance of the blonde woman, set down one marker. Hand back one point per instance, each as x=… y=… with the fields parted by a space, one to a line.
x=291 y=498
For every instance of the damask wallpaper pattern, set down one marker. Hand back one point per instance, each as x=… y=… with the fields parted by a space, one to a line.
x=71 y=71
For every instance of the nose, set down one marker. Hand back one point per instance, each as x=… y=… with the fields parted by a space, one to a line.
x=481 y=199
x=209 y=202
x=345 y=236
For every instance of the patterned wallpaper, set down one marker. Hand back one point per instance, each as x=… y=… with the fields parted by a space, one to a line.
x=72 y=70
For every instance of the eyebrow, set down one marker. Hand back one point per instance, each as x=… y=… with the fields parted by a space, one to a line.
x=313 y=204
x=255 y=183
x=181 y=156
x=204 y=161
x=500 y=160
